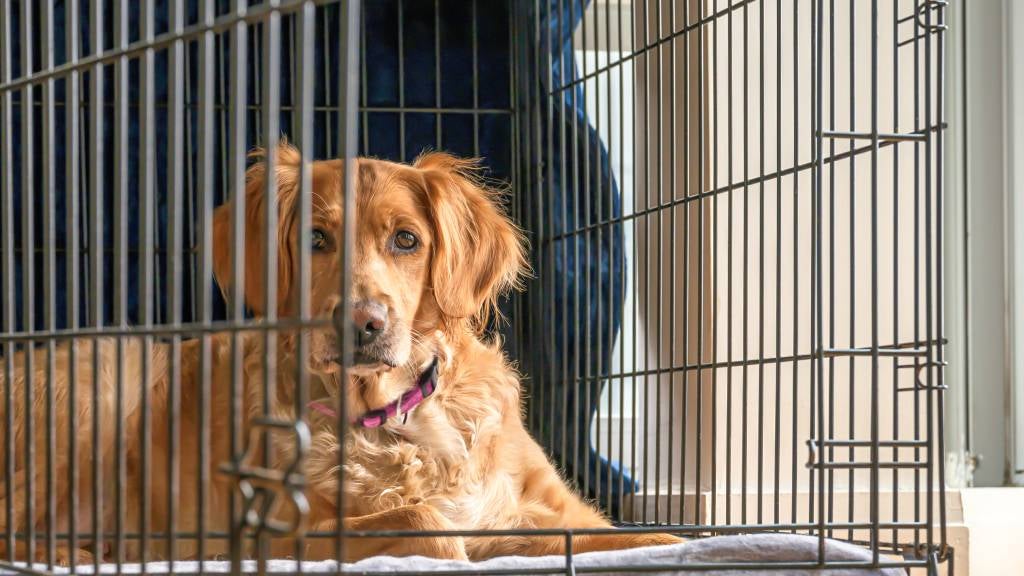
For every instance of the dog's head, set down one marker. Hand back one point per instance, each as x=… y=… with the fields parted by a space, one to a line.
x=433 y=251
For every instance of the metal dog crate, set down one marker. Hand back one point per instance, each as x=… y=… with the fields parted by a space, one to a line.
x=734 y=208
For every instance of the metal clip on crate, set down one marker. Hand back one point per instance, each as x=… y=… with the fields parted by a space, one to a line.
x=261 y=487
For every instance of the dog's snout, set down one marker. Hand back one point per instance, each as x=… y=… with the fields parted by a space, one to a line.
x=369 y=320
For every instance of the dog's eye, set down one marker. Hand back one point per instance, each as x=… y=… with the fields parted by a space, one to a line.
x=406 y=241
x=319 y=240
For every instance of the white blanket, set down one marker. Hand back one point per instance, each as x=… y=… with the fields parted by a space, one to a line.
x=778 y=548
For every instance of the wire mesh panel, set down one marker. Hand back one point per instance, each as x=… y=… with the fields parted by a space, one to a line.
x=736 y=213
x=123 y=437
x=734 y=209
x=119 y=240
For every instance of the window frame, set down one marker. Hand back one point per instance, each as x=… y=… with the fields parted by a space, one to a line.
x=985 y=245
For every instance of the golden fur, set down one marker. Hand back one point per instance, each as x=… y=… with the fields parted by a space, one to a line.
x=461 y=460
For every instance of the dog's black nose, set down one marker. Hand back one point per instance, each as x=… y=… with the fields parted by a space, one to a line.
x=369 y=320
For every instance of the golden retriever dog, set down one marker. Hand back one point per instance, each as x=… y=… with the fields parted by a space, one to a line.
x=436 y=440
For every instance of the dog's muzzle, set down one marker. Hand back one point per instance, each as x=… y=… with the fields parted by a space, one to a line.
x=369 y=325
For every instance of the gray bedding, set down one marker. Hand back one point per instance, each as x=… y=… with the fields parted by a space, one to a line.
x=780 y=548
x=722 y=549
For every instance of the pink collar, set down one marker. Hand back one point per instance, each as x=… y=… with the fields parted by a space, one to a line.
x=425 y=385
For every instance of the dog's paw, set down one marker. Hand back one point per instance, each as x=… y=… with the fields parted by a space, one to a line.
x=657 y=540
x=64 y=555
x=426 y=517
x=446 y=548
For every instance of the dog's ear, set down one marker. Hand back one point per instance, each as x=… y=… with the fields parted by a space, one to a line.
x=478 y=253
x=286 y=163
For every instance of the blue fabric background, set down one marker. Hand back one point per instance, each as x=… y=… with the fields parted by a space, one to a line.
x=587 y=261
